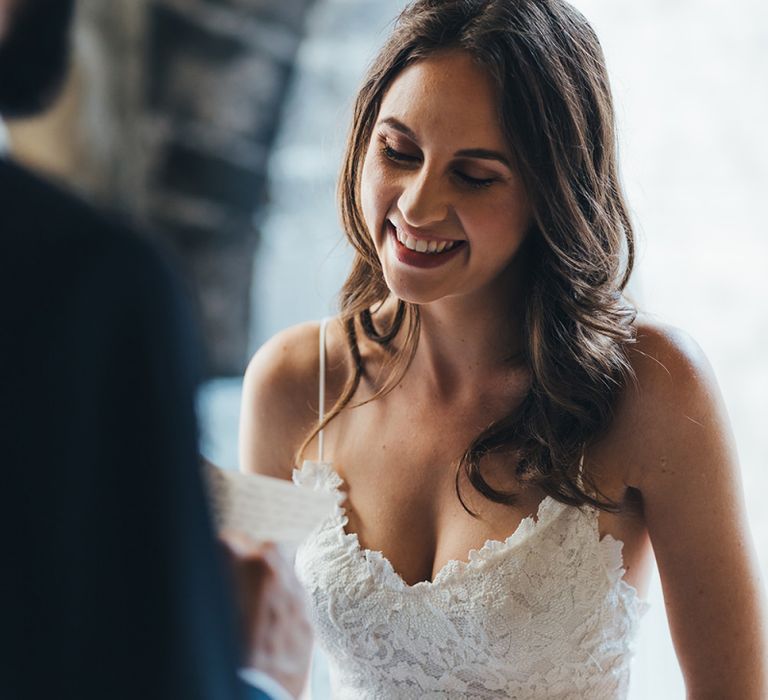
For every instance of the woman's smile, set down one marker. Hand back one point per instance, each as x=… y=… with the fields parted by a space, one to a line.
x=420 y=250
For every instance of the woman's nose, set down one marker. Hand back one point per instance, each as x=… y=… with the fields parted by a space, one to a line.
x=423 y=200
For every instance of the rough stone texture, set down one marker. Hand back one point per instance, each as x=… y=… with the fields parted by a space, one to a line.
x=216 y=82
x=109 y=49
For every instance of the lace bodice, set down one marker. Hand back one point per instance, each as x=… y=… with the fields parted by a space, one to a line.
x=543 y=614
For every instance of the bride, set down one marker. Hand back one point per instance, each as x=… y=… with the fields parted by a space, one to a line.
x=512 y=444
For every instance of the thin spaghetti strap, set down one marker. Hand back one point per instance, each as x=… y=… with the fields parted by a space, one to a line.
x=321 y=398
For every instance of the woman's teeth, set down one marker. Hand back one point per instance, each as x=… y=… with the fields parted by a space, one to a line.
x=421 y=246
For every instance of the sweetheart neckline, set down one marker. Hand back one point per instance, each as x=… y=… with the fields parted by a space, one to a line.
x=453 y=566
x=547 y=510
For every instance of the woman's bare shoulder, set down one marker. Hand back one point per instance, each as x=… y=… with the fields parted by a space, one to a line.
x=674 y=386
x=659 y=342
x=280 y=396
x=678 y=435
x=671 y=368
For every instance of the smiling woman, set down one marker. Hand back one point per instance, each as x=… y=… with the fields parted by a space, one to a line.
x=514 y=441
x=446 y=180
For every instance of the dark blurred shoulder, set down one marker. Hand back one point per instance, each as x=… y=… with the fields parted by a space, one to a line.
x=39 y=217
x=78 y=284
x=55 y=247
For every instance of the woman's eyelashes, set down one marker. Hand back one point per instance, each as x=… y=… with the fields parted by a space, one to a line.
x=401 y=158
x=398 y=157
x=476 y=182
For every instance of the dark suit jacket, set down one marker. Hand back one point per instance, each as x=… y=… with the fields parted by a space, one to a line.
x=111 y=585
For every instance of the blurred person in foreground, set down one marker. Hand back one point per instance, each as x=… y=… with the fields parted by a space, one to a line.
x=113 y=585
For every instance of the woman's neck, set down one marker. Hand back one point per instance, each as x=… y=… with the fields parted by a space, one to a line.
x=460 y=346
x=468 y=342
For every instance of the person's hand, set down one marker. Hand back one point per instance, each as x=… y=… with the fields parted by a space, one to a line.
x=273 y=612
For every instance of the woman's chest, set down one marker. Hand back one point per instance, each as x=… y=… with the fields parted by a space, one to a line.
x=544 y=602
x=400 y=478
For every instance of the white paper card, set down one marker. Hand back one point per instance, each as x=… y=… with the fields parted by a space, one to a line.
x=265 y=508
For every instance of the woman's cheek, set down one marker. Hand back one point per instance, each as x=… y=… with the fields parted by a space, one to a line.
x=370 y=195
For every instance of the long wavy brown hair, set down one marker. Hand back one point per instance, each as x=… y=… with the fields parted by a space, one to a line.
x=557 y=114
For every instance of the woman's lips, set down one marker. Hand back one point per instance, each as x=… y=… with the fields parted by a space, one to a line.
x=417 y=259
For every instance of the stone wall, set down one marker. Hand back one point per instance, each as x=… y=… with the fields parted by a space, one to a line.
x=215 y=90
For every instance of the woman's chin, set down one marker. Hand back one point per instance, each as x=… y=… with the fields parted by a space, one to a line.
x=412 y=291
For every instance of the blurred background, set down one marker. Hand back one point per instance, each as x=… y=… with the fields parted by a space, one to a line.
x=218 y=126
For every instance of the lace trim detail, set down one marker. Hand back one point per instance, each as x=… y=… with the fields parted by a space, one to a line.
x=319 y=476
x=322 y=476
x=611 y=554
x=553 y=622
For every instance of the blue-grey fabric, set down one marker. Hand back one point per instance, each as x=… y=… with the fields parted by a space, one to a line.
x=112 y=585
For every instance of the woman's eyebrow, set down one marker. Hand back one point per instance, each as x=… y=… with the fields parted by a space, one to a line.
x=397 y=125
x=483 y=153
x=480 y=153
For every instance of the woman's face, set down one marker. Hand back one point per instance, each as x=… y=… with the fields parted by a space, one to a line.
x=441 y=197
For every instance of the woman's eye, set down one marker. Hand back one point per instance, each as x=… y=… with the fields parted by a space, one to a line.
x=399 y=157
x=396 y=156
x=474 y=181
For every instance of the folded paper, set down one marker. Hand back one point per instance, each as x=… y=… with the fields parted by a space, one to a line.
x=265 y=508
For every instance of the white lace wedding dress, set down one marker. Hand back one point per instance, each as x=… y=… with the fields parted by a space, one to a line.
x=543 y=614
